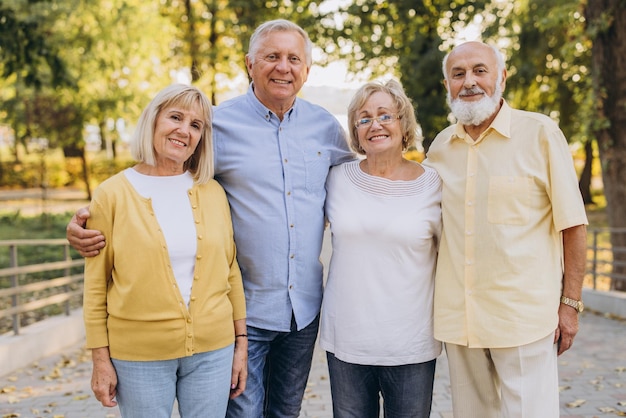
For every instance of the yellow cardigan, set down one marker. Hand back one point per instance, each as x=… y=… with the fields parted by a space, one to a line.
x=131 y=299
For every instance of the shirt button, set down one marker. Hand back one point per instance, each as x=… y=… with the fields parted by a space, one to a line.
x=198 y=257
x=291 y=226
x=288 y=193
x=285 y=160
x=292 y=256
x=199 y=236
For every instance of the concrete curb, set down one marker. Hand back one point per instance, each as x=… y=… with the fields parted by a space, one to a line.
x=45 y=338
x=609 y=302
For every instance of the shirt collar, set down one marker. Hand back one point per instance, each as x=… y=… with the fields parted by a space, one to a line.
x=501 y=124
x=261 y=109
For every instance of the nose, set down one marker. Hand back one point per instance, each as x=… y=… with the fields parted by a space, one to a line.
x=283 y=64
x=376 y=121
x=184 y=128
x=469 y=80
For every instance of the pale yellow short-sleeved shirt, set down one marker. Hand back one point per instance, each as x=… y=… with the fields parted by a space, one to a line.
x=505 y=199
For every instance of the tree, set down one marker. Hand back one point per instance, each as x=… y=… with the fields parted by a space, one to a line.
x=212 y=35
x=29 y=60
x=548 y=65
x=606 y=25
x=405 y=39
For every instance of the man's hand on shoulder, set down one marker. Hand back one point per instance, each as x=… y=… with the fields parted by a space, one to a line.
x=88 y=242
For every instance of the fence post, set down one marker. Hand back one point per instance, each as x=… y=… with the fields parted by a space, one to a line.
x=66 y=288
x=15 y=299
x=594 y=259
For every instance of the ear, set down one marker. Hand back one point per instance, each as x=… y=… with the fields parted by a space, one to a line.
x=445 y=84
x=504 y=75
x=248 y=65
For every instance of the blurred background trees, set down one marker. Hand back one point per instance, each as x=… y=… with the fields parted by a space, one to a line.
x=78 y=72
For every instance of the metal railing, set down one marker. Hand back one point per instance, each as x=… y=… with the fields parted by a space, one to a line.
x=602 y=268
x=63 y=282
x=21 y=291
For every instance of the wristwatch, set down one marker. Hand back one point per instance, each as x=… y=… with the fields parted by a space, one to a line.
x=576 y=304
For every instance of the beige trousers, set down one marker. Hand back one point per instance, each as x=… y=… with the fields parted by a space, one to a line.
x=516 y=382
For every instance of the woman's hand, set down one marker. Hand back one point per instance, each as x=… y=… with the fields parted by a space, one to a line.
x=103 y=378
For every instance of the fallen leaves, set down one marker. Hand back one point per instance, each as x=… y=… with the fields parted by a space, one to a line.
x=575 y=404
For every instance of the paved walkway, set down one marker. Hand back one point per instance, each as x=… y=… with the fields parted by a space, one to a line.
x=593 y=381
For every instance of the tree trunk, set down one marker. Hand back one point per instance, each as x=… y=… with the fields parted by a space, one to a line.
x=584 y=184
x=83 y=160
x=606 y=20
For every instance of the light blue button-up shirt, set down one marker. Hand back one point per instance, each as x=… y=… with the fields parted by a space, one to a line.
x=274 y=173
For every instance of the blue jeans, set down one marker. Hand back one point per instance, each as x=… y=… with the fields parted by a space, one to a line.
x=407 y=390
x=201 y=383
x=278 y=369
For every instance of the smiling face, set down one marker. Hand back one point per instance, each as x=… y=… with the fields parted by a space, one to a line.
x=278 y=69
x=375 y=137
x=475 y=82
x=177 y=132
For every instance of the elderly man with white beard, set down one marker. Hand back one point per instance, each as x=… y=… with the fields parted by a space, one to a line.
x=512 y=256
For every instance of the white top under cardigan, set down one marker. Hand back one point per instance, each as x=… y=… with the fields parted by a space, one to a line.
x=173 y=213
x=378 y=301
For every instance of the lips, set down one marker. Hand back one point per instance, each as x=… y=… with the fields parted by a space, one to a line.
x=177 y=142
x=281 y=81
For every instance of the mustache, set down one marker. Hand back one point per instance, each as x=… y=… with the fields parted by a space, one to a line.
x=471 y=91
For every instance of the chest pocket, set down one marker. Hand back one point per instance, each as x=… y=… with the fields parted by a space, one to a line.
x=509 y=200
x=317 y=164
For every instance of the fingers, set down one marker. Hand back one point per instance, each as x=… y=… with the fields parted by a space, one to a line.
x=103 y=377
x=88 y=242
x=567 y=329
x=239 y=374
x=237 y=387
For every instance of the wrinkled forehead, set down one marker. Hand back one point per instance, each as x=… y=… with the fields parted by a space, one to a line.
x=471 y=55
x=281 y=39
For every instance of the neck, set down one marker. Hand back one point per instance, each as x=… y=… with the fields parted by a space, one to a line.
x=277 y=107
x=391 y=168
x=159 y=170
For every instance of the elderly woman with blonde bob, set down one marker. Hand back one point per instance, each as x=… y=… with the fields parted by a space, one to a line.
x=164 y=306
x=385 y=219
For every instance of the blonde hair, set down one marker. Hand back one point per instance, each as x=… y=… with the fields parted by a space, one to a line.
x=405 y=111
x=200 y=164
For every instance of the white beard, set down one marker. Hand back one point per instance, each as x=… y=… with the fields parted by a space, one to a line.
x=475 y=113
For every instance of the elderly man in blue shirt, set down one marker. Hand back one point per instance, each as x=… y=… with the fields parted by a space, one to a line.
x=273 y=152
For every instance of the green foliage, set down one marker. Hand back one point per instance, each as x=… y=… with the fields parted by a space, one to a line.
x=549 y=60
x=402 y=39
x=103 y=168
x=26 y=47
x=14 y=226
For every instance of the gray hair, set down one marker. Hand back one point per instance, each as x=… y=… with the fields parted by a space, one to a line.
x=279 y=25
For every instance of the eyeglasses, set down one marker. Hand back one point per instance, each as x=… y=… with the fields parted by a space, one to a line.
x=382 y=119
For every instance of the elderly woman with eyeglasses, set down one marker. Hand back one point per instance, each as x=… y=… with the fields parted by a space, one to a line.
x=385 y=219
